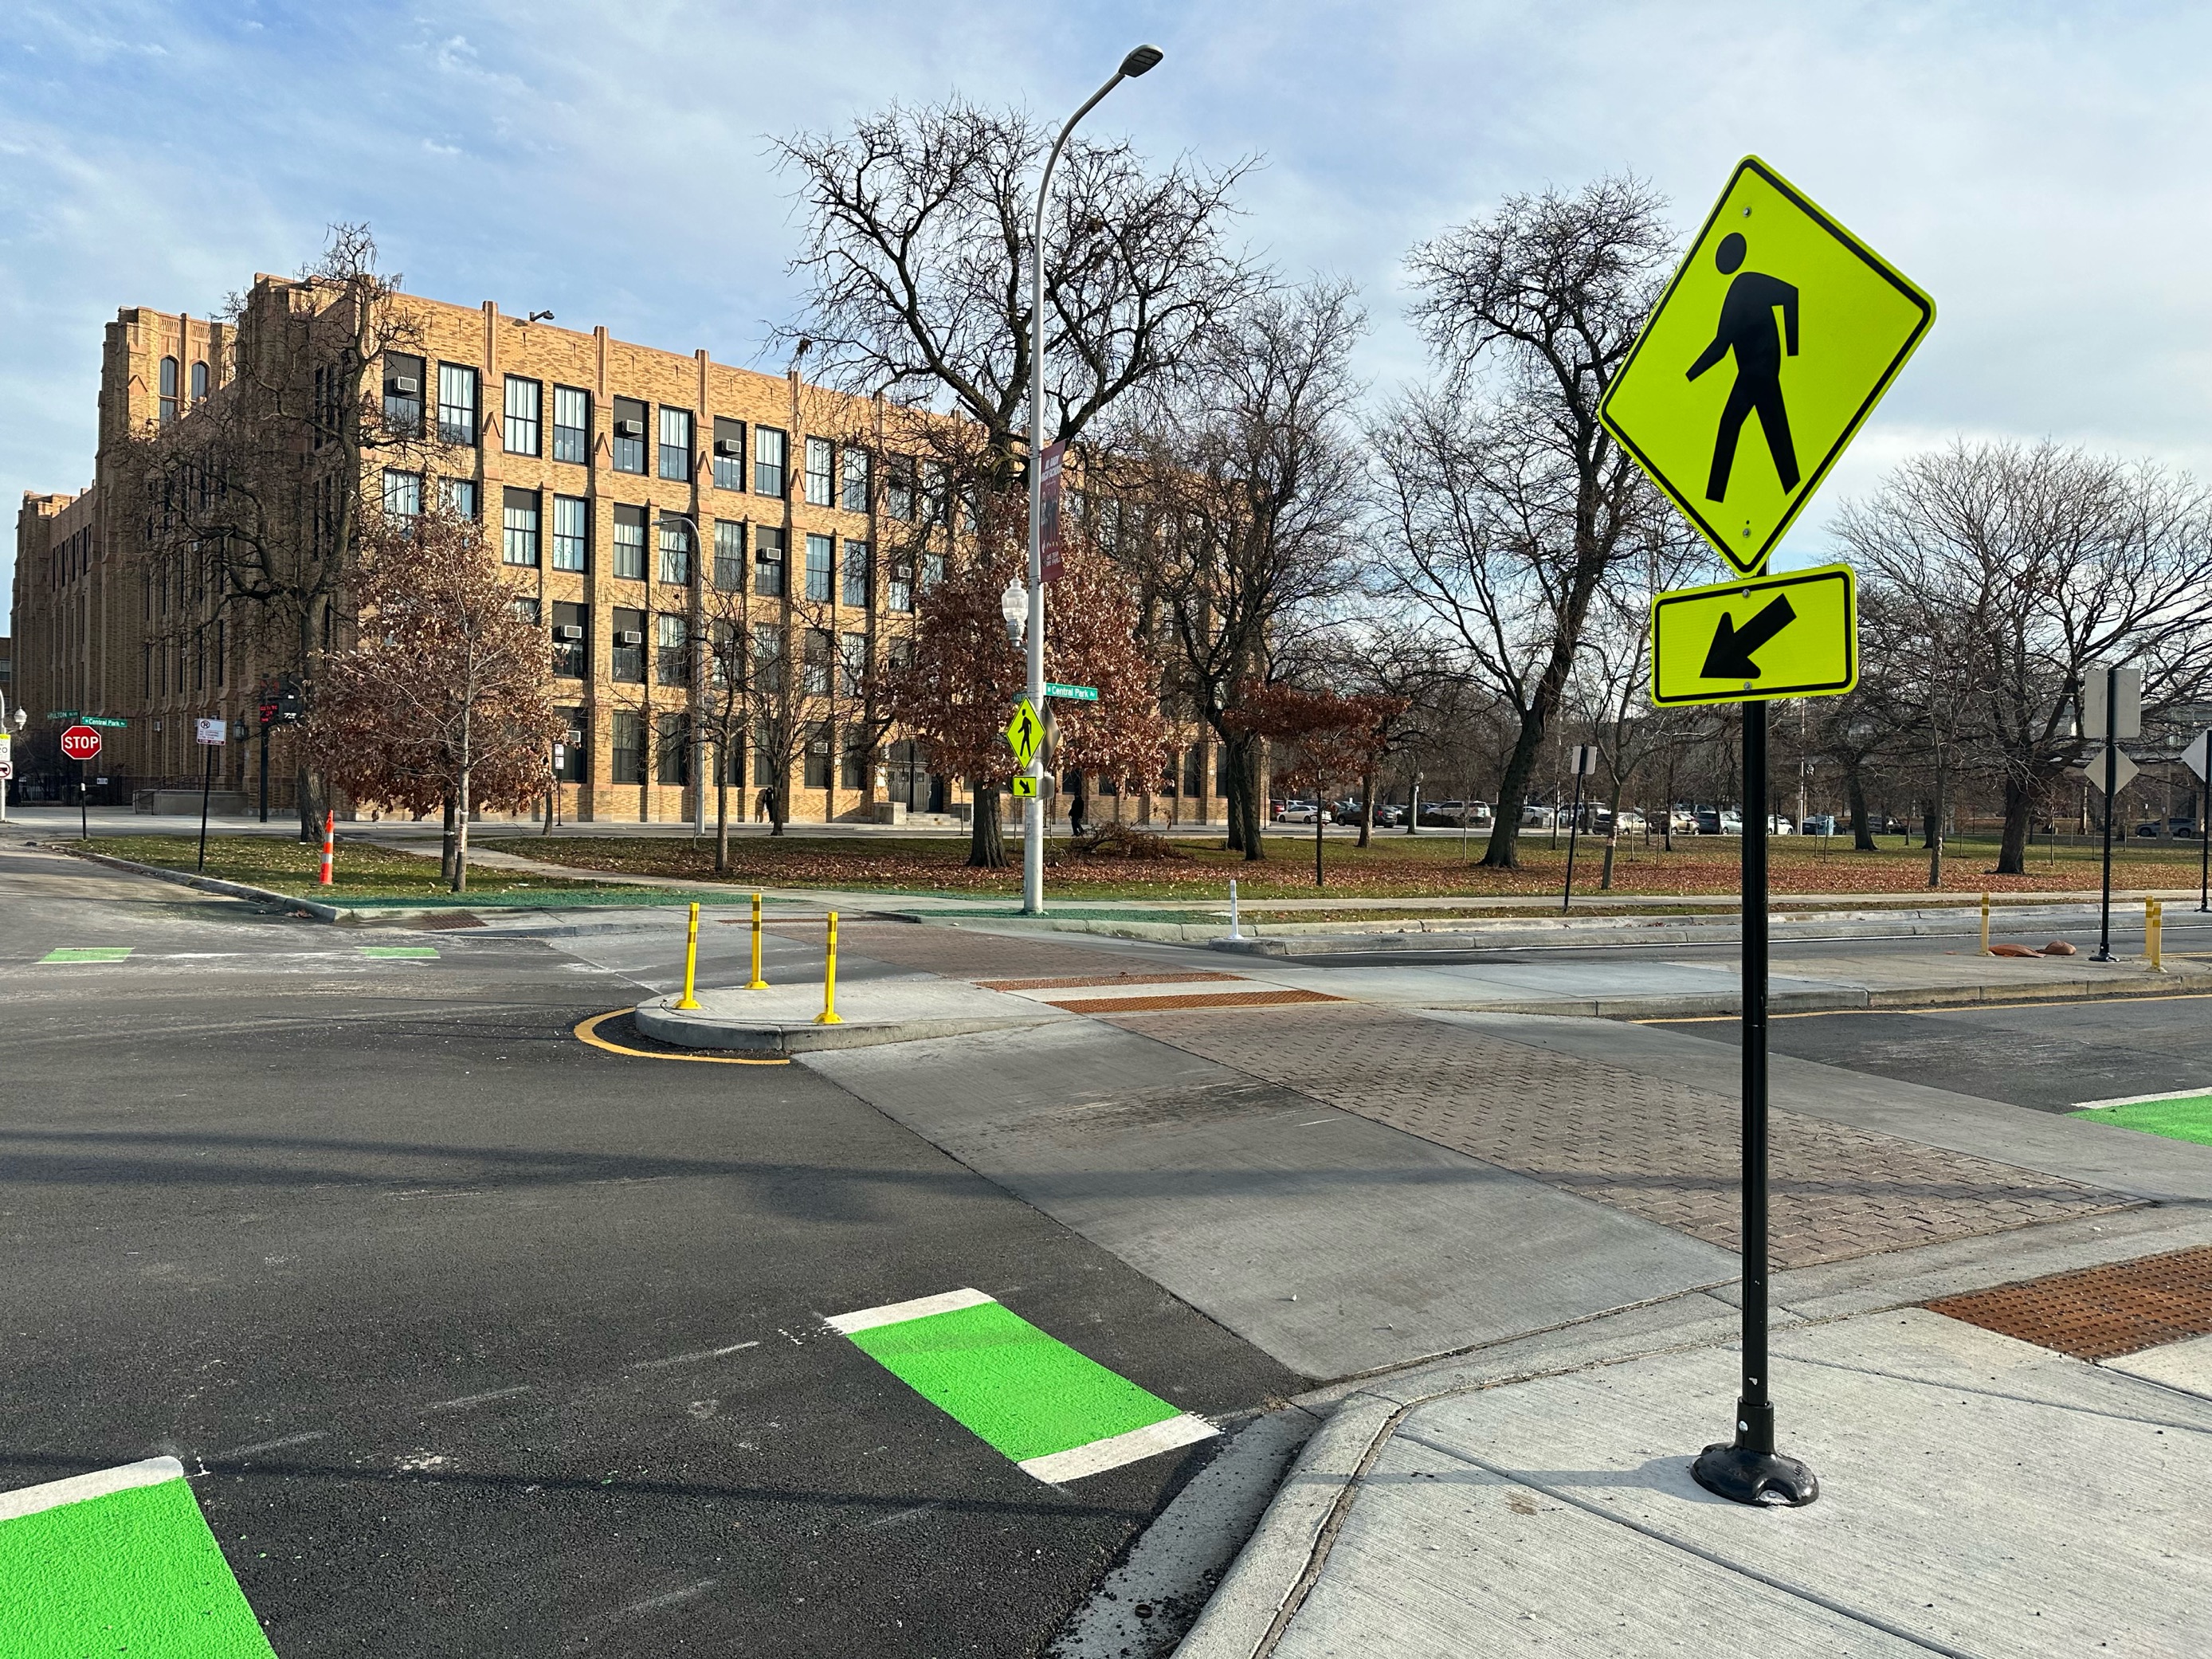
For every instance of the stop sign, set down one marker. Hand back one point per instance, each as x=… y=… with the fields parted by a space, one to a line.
x=80 y=743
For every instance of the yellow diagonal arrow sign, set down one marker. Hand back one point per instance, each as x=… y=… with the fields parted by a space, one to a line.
x=1025 y=732
x=1752 y=640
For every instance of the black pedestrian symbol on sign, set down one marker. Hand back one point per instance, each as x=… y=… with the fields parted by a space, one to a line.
x=1746 y=327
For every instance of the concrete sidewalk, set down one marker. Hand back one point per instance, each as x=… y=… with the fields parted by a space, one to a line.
x=1980 y=1495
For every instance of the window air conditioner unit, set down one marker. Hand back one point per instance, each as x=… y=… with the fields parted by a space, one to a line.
x=575 y=736
x=629 y=429
x=404 y=386
x=730 y=447
x=567 y=631
x=629 y=636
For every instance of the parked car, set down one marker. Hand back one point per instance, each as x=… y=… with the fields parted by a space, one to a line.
x=1628 y=821
x=1779 y=825
x=1302 y=812
x=1535 y=817
x=1388 y=817
x=1681 y=821
x=1708 y=820
x=1820 y=824
x=1454 y=813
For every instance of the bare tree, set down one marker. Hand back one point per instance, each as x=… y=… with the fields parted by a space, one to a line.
x=2006 y=571
x=1239 y=503
x=1509 y=506
x=256 y=498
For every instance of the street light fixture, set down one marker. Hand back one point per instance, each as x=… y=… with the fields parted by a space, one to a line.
x=1139 y=61
x=1014 y=606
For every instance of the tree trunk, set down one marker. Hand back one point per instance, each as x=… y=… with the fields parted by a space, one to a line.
x=722 y=817
x=1367 y=806
x=987 y=840
x=776 y=809
x=1861 y=821
x=1505 y=850
x=1611 y=839
x=446 y=845
x=1256 y=842
x=1320 y=813
x=1934 y=825
x=2018 y=814
x=461 y=836
x=304 y=803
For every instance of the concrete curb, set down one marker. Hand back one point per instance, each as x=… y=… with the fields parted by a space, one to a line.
x=658 y=1019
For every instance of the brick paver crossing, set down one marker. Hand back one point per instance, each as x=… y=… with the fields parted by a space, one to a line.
x=958 y=954
x=1652 y=1146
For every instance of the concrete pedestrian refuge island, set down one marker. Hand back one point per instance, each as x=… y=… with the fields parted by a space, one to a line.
x=780 y=1019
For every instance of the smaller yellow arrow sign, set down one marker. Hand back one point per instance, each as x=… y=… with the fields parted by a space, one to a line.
x=1025 y=732
x=1752 y=641
x=1024 y=784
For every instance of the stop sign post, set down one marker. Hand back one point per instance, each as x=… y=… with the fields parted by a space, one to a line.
x=81 y=743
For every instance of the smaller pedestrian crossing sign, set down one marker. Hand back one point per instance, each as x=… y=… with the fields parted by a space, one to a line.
x=1759 y=363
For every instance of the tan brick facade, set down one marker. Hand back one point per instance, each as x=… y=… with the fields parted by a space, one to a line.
x=604 y=438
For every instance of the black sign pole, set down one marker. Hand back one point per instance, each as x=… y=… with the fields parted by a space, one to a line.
x=2111 y=786
x=2205 y=842
x=207 y=784
x=1749 y=1470
x=264 y=769
x=83 y=811
x=1574 y=829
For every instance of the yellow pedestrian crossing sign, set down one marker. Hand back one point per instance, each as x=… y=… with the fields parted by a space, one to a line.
x=1753 y=640
x=1025 y=732
x=1764 y=356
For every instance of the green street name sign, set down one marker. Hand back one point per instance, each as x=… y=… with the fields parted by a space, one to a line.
x=107 y=720
x=1072 y=693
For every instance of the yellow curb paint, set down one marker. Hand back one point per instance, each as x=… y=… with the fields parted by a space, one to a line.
x=588 y=1032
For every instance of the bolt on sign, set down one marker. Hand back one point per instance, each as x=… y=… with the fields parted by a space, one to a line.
x=1050 y=491
x=1794 y=635
x=1763 y=358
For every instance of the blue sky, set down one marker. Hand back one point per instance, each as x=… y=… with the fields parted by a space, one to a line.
x=2037 y=168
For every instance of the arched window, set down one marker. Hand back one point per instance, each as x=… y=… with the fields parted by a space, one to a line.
x=168 y=389
x=199 y=382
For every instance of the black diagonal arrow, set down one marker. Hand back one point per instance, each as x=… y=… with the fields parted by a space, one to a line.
x=1730 y=659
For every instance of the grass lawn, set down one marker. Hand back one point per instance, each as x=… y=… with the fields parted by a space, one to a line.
x=1397 y=865
x=358 y=871
x=2186 y=1119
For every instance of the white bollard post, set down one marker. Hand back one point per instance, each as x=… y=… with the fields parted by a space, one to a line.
x=1233 y=933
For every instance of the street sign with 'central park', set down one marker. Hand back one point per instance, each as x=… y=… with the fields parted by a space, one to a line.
x=1752 y=640
x=1764 y=356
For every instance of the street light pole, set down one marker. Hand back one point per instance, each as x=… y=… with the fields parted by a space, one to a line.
x=697 y=571
x=1139 y=62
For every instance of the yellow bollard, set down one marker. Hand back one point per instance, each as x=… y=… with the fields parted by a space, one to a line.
x=828 y=1015
x=690 y=961
x=2154 y=934
x=1986 y=924
x=758 y=982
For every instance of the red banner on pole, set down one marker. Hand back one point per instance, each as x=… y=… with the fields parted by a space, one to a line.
x=1048 y=537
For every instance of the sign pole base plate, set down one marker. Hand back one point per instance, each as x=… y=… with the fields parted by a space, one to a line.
x=1744 y=1476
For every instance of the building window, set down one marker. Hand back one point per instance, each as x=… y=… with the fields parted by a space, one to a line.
x=767 y=652
x=457 y=496
x=457 y=404
x=676 y=552
x=672 y=745
x=767 y=560
x=572 y=642
x=572 y=424
x=898 y=489
x=852 y=664
x=821 y=567
x=523 y=401
x=571 y=533
x=932 y=570
x=168 y=389
x=572 y=768
x=671 y=651
x=729 y=556
x=856 y=574
x=630 y=748
x=403 y=494
x=898 y=585
x=815 y=679
x=852 y=766
x=821 y=473
x=818 y=755
x=1194 y=771
x=676 y=444
x=628 y=449
x=771 y=459
x=403 y=394
x=525 y=608
x=199 y=383
x=626 y=662
x=729 y=454
x=856 y=479
x=629 y=544
x=518 y=534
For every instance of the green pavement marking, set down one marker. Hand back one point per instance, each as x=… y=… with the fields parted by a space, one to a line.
x=2183 y=1116
x=401 y=951
x=1057 y=1414
x=119 y=1561
x=88 y=953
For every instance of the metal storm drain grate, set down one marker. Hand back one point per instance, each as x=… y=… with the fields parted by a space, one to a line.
x=2100 y=1313
x=1196 y=999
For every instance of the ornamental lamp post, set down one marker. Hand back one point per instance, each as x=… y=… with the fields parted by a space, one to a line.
x=1140 y=61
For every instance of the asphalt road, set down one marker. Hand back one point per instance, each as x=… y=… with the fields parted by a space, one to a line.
x=480 y=1341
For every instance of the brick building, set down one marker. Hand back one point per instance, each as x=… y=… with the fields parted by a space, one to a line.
x=590 y=459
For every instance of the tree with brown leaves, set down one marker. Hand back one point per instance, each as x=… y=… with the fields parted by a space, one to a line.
x=446 y=700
